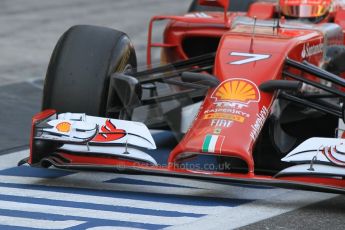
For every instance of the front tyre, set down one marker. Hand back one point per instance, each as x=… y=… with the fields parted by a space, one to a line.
x=78 y=74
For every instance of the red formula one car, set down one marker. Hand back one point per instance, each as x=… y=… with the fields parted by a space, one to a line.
x=248 y=92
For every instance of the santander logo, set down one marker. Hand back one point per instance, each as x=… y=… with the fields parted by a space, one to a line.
x=310 y=50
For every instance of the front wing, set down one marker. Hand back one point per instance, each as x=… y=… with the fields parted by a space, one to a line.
x=79 y=142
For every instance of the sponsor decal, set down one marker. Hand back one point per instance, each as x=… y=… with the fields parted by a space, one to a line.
x=335 y=155
x=237 y=90
x=109 y=132
x=63 y=127
x=212 y=143
x=227 y=110
x=225 y=116
x=248 y=58
x=230 y=98
x=310 y=50
x=221 y=123
x=230 y=104
x=259 y=123
x=217 y=131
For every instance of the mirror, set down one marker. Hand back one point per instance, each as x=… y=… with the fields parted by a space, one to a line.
x=218 y=3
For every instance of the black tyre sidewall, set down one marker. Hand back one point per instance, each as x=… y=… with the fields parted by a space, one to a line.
x=78 y=74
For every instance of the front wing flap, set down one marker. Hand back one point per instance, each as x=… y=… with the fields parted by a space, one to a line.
x=124 y=147
x=79 y=134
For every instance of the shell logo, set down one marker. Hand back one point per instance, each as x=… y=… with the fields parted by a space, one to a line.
x=63 y=127
x=237 y=89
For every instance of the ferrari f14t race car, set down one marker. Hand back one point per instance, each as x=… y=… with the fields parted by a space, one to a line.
x=248 y=92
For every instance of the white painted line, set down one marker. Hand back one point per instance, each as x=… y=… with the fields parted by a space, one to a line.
x=81 y=181
x=256 y=211
x=13 y=81
x=85 y=179
x=11 y=159
x=107 y=201
x=39 y=224
x=214 y=189
x=269 y=202
x=91 y=180
x=112 y=228
x=98 y=214
x=94 y=180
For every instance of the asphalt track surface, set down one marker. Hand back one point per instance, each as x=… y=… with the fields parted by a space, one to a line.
x=54 y=199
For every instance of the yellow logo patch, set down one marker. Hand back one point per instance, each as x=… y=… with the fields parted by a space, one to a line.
x=225 y=116
x=238 y=90
x=63 y=127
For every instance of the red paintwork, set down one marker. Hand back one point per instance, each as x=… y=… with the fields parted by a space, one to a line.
x=277 y=44
x=305 y=2
x=262 y=10
x=85 y=160
x=176 y=43
x=339 y=18
x=238 y=142
x=80 y=161
x=218 y=3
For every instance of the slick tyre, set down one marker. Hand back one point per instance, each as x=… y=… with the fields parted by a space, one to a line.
x=78 y=74
x=242 y=6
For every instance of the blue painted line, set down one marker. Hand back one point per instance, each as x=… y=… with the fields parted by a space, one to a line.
x=90 y=225
x=143 y=196
x=91 y=221
x=247 y=185
x=6 y=227
x=100 y=207
x=142 y=182
x=26 y=171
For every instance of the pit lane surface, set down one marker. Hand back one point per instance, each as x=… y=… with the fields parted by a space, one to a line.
x=54 y=199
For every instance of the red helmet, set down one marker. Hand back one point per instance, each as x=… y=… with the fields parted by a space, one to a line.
x=305 y=8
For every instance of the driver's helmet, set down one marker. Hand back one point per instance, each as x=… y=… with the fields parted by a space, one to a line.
x=305 y=8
